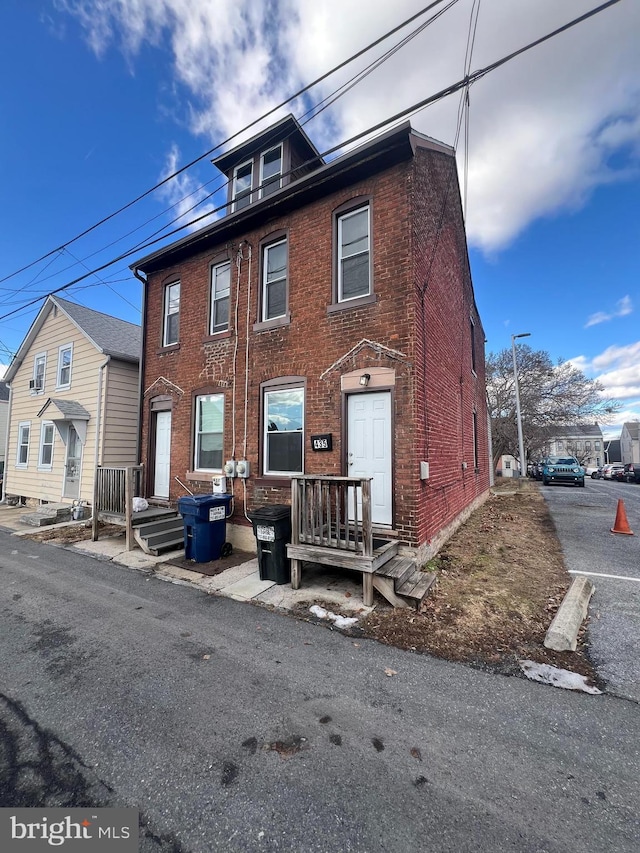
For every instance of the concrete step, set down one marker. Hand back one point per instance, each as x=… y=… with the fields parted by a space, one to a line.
x=48 y=514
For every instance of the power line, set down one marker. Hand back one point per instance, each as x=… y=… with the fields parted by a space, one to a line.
x=466 y=81
x=208 y=153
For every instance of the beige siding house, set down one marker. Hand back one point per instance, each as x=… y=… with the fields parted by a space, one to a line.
x=73 y=403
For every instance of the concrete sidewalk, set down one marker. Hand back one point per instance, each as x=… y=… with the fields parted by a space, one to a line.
x=332 y=588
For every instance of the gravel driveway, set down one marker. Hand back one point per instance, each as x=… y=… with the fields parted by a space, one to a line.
x=583 y=519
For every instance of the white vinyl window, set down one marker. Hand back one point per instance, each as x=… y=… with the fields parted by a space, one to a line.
x=220 y=291
x=284 y=431
x=271 y=170
x=209 y=432
x=39 y=371
x=274 y=280
x=45 y=459
x=354 y=275
x=171 y=314
x=24 y=435
x=65 y=357
x=242 y=184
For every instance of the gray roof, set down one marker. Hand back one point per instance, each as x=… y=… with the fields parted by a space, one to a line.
x=576 y=431
x=4 y=391
x=113 y=336
x=69 y=408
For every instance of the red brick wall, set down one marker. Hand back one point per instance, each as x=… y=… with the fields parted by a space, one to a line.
x=315 y=340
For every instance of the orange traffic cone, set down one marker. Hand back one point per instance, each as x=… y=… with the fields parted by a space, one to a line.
x=621 y=525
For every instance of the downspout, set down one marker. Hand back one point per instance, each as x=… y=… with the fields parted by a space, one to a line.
x=6 y=449
x=97 y=454
x=141 y=368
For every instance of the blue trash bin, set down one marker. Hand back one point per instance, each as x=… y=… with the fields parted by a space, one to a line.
x=205 y=525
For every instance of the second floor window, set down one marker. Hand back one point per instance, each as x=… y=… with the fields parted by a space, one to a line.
x=64 y=366
x=242 y=183
x=220 y=290
x=39 y=368
x=271 y=168
x=274 y=280
x=354 y=277
x=171 y=314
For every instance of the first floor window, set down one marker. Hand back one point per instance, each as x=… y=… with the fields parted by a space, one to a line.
x=171 y=313
x=354 y=278
x=274 y=281
x=283 y=431
x=46 y=445
x=24 y=434
x=209 y=432
x=220 y=290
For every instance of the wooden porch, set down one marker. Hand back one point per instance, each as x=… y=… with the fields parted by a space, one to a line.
x=113 y=493
x=331 y=525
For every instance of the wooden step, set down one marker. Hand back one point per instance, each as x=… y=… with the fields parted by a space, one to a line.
x=417 y=586
x=398 y=568
x=402 y=583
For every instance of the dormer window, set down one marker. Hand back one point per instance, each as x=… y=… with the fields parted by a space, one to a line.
x=242 y=182
x=271 y=170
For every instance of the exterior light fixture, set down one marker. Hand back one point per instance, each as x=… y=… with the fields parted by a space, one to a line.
x=523 y=469
x=364 y=379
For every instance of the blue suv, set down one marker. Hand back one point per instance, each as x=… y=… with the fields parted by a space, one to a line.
x=562 y=469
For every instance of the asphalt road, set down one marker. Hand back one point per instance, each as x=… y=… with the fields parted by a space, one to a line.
x=235 y=728
x=583 y=519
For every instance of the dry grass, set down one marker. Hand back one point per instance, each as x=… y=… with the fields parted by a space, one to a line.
x=501 y=579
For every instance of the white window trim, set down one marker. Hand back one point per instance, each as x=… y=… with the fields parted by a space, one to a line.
x=267 y=432
x=42 y=466
x=213 y=299
x=234 y=206
x=341 y=218
x=265 y=252
x=166 y=314
x=196 y=433
x=62 y=350
x=23 y=425
x=262 y=156
x=36 y=359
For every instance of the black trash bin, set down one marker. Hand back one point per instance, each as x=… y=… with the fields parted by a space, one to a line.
x=272 y=529
x=205 y=525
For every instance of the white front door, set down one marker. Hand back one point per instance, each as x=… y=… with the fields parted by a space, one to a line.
x=369 y=448
x=163 y=455
x=72 y=464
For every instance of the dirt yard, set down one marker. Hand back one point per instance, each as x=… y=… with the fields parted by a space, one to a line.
x=500 y=581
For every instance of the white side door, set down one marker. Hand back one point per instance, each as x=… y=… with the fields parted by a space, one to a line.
x=369 y=449
x=163 y=455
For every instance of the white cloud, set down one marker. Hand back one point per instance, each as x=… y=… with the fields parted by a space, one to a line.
x=186 y=196
x=623 y=307
x=543 y=129
x=617 y=369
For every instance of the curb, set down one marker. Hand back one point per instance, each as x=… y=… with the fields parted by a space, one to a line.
x=562 y=635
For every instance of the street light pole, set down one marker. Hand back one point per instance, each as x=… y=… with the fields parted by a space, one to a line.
x=518 y=415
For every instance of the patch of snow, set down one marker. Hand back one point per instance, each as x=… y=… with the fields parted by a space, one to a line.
x=340 y=621
x=546 y=674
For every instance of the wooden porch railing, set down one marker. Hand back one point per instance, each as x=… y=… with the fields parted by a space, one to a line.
x=332 y=512
x=113 y=492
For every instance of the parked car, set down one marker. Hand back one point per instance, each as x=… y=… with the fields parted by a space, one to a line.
x=597 y=474
x=609 y=470
x=563 y=469
x=631 y=473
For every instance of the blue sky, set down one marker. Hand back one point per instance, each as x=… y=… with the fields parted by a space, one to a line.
x=101 y=98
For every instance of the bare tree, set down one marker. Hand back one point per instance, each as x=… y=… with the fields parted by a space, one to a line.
x=551 y=395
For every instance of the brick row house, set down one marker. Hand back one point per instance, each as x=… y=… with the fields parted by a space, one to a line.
x=326 y=324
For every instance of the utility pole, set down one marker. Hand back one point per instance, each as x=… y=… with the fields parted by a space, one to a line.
x=518 y=415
